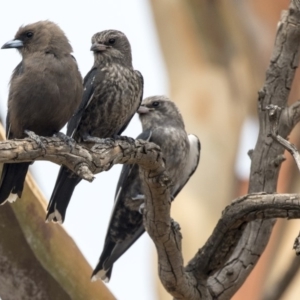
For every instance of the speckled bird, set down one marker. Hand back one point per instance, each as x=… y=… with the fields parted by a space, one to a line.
x=113 y=91
x=163 y=125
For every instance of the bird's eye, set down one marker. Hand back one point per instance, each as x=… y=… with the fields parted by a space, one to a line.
x=155 y=103
x=29 y=34
x=111 y=41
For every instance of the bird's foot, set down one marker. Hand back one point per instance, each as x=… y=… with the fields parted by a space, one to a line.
x=36 y=138
x=124 y=138
x=67 y=139
x=141 y=209
x=92 y=139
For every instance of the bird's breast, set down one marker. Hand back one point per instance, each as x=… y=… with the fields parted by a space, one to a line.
x=115 y=100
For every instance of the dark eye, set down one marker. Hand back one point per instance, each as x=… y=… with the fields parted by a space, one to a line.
x=155 y=103
x=29 y=34
x=111 y=41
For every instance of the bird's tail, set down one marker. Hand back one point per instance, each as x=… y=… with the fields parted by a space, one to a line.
x=111 y=253
x=12 y=181
x=61 y=195
x=103 y=271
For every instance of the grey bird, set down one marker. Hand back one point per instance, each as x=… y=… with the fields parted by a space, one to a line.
x=162 y=124
x=113 y=91
x=45 y=91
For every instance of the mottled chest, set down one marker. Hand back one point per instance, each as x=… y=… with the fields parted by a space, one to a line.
x=115 y=99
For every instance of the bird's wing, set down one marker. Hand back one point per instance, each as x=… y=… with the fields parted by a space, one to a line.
x=87 y=96
x=16 y=72
x=140 y=96
x=13 y=175
x=127 y=169
x=8 y=132
x=191 y=165
x=112 y=250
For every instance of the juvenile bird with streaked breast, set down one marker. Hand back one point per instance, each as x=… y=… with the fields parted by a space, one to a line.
x=45 y=90
x=163 y=125
x=113 y=91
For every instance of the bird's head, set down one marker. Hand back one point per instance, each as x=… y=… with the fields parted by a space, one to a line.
x=43 y=36
x=159 y=111
x=111 y=45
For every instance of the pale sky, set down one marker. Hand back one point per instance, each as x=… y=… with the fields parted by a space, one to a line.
x=91 y=204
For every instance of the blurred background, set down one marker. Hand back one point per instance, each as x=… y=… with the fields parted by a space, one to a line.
x=210 y=57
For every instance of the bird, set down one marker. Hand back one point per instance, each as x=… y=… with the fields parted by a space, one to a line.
x=163 y=125
x=113 y=91
x=45 y=91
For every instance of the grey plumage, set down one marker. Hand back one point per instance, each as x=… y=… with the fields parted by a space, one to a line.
x=162 y=124
x=45 y=90
x=113 y=91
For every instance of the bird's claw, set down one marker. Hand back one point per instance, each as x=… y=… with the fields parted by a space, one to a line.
x=124 y=138
x=92 y=139
x=110 y=142
x=36 y=138
x=67 y=139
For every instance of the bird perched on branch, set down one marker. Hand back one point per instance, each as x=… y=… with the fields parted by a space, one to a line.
x=45 y=91
x=113 y=91
x=163 y=125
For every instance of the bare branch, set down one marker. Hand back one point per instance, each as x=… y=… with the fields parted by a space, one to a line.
x=289 y=147
x=291 y=116
x=182 y=283
x=86 y=159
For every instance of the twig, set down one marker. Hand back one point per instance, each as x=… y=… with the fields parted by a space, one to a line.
x=289 y=147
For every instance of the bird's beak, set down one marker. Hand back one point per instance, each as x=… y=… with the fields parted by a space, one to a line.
x=143 y=109
x=97 y=47
x=13 y=44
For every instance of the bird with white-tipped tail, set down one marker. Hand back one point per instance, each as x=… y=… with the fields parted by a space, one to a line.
x=163 y=125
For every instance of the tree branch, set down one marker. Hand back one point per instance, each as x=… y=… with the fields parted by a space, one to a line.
x=182 y=283
x=86 y=159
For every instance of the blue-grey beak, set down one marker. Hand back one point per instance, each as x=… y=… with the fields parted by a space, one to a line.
x=13 y=44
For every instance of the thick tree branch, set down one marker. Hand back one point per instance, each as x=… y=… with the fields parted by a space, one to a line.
x=86 y=159
x=182 y=283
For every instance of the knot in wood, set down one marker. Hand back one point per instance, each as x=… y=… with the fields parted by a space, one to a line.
x=278 y=160
x=229 y=271
x=274 y=111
